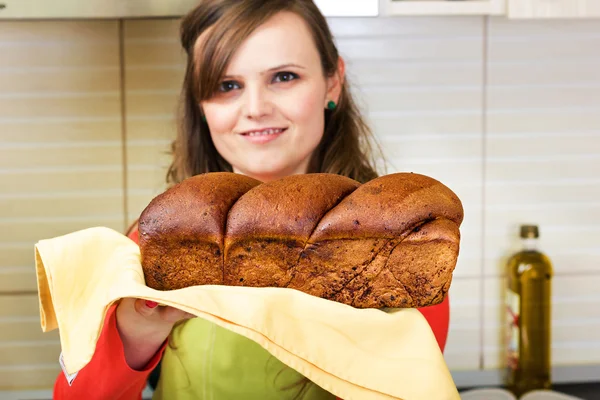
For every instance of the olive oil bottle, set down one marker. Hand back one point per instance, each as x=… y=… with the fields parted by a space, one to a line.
x=528 y=307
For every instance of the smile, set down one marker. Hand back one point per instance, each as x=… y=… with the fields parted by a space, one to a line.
x=264 y=132
x=263 y=136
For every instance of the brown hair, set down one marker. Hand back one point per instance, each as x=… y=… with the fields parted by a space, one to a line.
x=347 y=144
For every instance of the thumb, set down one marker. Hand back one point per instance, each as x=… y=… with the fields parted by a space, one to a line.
x=145 y=308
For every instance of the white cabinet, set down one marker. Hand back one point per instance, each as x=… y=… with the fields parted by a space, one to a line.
x=553 y=8
x=442 y=7
x=348 y=8
x=512 y=9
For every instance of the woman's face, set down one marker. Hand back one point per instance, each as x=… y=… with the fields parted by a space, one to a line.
x=268 y=116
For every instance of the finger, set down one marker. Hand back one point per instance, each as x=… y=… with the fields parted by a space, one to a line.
x=145 y=307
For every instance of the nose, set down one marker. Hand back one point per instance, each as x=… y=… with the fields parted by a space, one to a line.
x=256 y=102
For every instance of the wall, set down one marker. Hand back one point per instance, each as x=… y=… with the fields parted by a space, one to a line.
x=505 y=113
x=60 y=168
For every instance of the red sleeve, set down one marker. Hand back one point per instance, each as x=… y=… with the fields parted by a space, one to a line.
x=107 y=375
x=438 y=317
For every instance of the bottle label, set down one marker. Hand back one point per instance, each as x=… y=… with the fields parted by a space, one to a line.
x=512 y=315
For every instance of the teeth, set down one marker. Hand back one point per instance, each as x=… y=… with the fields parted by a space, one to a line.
x=265 y=132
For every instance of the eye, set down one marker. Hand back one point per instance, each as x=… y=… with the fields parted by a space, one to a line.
x=228 y=86
x=285 y=76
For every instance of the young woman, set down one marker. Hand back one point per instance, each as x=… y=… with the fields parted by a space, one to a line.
x=264 y=95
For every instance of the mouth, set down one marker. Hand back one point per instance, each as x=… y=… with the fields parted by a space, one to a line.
x=264 y=132
x=263 y=136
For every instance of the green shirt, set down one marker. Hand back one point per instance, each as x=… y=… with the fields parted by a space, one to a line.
x=205 y=361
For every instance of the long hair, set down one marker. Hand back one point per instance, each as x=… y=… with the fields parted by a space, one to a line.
x=346 y=147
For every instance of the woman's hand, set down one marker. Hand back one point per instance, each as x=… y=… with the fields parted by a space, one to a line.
x=143 y=327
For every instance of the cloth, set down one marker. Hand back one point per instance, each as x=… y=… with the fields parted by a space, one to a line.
x=352 y=353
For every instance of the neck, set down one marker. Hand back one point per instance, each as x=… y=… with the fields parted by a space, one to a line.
x=272 y=176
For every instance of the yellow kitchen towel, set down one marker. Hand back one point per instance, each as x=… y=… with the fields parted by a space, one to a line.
x=353 y=353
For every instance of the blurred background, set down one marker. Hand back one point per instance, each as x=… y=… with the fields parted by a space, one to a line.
x=498 y=99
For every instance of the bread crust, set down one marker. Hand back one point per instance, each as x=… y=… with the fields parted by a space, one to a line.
x=182 y=230
x=391 y=242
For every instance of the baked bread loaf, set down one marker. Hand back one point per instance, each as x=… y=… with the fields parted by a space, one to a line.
x=391 y=242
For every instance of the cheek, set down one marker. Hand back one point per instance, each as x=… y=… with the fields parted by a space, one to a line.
x=222 y=119
x=305 y=109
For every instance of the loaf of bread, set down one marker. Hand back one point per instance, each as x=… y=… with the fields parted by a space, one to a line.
x=390 y=242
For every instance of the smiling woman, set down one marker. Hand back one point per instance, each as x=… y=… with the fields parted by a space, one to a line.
x=272 y=93
x=263 y=117
x=265 y=96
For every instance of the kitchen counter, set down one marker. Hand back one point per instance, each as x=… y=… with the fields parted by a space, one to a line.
x=585 y=391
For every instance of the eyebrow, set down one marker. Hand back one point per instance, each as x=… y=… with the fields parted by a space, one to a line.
x=286 y=66
x=272 y=69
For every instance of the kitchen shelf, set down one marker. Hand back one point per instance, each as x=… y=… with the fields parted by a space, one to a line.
x=442 y=7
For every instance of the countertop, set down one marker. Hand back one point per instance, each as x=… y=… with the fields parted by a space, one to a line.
x=585 y=391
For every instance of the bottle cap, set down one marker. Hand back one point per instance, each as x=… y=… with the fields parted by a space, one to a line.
x=530 y=231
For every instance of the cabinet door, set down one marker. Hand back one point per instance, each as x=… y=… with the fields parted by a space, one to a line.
x=442 y=7
x=66 y=9
x=553 y=8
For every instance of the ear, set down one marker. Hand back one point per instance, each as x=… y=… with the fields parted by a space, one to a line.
x=335 y=82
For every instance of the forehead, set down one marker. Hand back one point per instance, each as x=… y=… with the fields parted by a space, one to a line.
x=284 y=38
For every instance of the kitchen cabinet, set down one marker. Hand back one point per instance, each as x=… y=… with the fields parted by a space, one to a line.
x=77 y=9
x=442 y=7
x=553 y=8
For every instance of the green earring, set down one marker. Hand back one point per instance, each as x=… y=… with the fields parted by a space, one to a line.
x=331 y=105
x=203 y=117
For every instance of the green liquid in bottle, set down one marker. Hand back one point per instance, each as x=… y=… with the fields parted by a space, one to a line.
x=528 y=301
